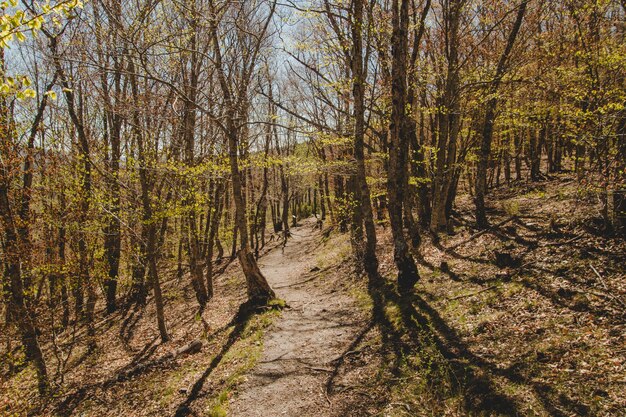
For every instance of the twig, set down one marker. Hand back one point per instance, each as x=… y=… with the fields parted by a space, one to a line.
x=473 y=293
x=295 y=283
x=599 y=276
x=563 y=243
x=406 y=406
x=315 y=275
x=325 y=391
x=482 y=232
x=342 y=356
x=606 y=287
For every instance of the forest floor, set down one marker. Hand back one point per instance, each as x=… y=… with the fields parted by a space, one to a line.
x=527 y=318
x=132 y=374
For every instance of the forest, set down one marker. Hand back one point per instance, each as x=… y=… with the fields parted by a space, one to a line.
x=313 y=208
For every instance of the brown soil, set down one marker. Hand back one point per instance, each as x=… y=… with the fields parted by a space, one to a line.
x=301 y=348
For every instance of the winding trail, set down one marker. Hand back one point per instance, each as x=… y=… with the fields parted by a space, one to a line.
x=300 y=347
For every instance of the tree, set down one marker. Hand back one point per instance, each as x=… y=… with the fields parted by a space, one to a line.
x=398 y=145
x=363 y=202
x=490 y=114
x=236 y=106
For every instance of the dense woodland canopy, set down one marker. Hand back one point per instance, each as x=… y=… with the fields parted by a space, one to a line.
x=146 y=141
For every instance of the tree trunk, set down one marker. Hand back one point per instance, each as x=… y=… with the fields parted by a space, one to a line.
x=259 y=291
x=65 y=318
x=447 y=121
x=362 y=193
x=188 y=134
x=85 y=194
x=518 y=142
x=407 y=270
x=17 y=308
x=218 y=203
x=490 y=116
x=149 y=231
x=113 y=130
x=535 y=155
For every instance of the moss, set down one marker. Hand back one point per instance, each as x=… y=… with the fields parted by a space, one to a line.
x=173 y=293
x=511 y=208
x=424 y=383
x=277 y=302
x=363 y=299
x=536 y=194
x=334 y=250
x=476 y=307
x=394 y=315
x=220 y=407
x=511 y=289
x=232 y=282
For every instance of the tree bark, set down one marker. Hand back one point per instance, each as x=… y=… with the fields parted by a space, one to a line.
x=113 y=129
x=85 y=193
x=490 y=116
x=364 y=203
x=259 y=291
x=407 y=270
x=447 y=121
x=188 y=134
x=149 y=223
x=17 y=308
x=218 y=203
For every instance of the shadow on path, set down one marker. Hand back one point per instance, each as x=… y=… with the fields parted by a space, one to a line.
x=241 y=319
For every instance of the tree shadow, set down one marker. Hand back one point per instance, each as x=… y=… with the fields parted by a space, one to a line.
x=139 y=366
x=452 y=369
x=338 y=363
x=479 y=393
x=239 y=321
x=553 y=401
x=511 y=235
x=135 y=367
x=410 y=334
x=444 y=267
x=575 y=301
x=530 y=227
x=457 y=255
x=127 y=328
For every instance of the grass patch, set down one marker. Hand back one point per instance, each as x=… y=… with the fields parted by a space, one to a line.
x=334 y=250
x=166 y=391
x=536 y=194
x=363 y=299
x=511 y=208
x=241 y=358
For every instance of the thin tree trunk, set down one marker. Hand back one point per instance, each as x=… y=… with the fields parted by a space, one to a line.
x=17 y=308
x=113 y=120
x=85 y=194
x=490 y=116
x=149 y=231
x=218 y=203
x=447 y=121
x=364 y=204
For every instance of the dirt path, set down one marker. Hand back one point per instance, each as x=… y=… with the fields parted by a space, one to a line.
x=299 y=349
